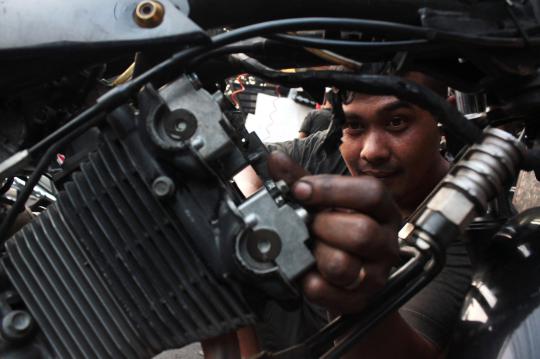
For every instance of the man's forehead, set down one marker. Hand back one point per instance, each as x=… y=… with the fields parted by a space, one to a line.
x=375 y=103
x=365 y=97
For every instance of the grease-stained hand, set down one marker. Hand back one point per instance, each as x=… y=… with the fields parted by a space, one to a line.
x=354 y=223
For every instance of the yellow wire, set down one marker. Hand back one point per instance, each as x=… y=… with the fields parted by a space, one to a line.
x=124 y=76
x=335 y=58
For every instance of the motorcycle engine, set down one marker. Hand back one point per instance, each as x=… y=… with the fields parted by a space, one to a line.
x=149 y=246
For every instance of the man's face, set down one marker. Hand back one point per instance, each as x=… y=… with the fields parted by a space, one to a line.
x=394 y=141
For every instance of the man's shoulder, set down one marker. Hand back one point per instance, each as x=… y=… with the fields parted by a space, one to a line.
x=312 y=154
x=295 y=146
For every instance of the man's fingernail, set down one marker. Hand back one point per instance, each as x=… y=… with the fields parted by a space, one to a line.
x=302 y=190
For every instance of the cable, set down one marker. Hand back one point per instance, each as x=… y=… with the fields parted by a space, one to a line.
x=124 y=76
x=445 y=113
x=226 y=50
x=45 y=160
x=378 y=46
x=403 y=284
x=235 y=93
x=336 y=59
x=123 y=92
x=7 y=185
x=431 y=38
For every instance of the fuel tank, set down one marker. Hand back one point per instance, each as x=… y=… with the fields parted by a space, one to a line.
x=501 y=314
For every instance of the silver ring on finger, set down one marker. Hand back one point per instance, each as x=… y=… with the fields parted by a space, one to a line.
x=357 y=281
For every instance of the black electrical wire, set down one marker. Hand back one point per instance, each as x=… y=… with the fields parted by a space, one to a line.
x=455 y=123
x=387 y=302
x=371 y=84
x=226 y=50
x=435 y=37
x=515 y=20
x=379 y=85
x=121 y=93
x=7 y=185
x=330 y=44
x=351 y=328
x=22 y=197
x=390 y=299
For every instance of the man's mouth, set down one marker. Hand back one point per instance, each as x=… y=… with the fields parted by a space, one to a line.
x=379 y=174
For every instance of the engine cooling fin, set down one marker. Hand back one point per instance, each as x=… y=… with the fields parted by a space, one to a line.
x=108 y=271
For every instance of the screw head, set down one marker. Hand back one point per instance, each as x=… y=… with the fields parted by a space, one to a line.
x=181 y=127
x=163 y=187
x=180 y=124
x=263 y=245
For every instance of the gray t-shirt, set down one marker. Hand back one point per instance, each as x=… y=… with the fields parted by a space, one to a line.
x=315 y=121
x=432 y=312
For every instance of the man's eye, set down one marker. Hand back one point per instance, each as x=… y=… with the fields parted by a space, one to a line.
x=353 y=128
x=397 y=124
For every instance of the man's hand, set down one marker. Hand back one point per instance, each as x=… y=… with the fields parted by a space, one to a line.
x=355 y=225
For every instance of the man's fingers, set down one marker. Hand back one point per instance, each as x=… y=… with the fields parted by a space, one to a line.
x=363 y=194
x=336 y=266
x=355 y=233
x=282 y=167
x=350 y=299
x=321 y=292
x=374 y=277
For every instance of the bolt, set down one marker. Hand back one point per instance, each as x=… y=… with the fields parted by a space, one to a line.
x=180 y=124
x=16 y=324
x=163 y=187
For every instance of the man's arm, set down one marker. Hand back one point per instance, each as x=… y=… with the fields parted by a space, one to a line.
x=358 y=240
x=355 y=249
x=394 y=338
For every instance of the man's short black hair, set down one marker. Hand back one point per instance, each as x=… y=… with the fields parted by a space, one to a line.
x=378 y=68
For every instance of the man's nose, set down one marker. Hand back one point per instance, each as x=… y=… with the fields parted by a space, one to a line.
x=375 y=149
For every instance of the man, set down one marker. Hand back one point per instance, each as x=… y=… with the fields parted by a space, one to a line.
x=317 y=120
x=389 y=147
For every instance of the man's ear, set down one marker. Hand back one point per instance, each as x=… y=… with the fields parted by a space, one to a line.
x=452 y=100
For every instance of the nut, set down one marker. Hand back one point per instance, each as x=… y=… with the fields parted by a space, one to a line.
x=149 y=13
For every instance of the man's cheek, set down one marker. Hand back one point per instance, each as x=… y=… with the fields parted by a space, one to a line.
x=351 y=158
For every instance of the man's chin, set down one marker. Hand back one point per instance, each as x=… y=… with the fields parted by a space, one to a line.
x=394 y=184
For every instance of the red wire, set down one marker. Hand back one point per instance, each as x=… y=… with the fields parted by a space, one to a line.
x=242 y=88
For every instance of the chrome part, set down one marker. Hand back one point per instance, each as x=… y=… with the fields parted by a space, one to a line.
x=478 y=177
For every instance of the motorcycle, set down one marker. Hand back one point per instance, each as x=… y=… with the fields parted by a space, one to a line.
x=144 y=243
